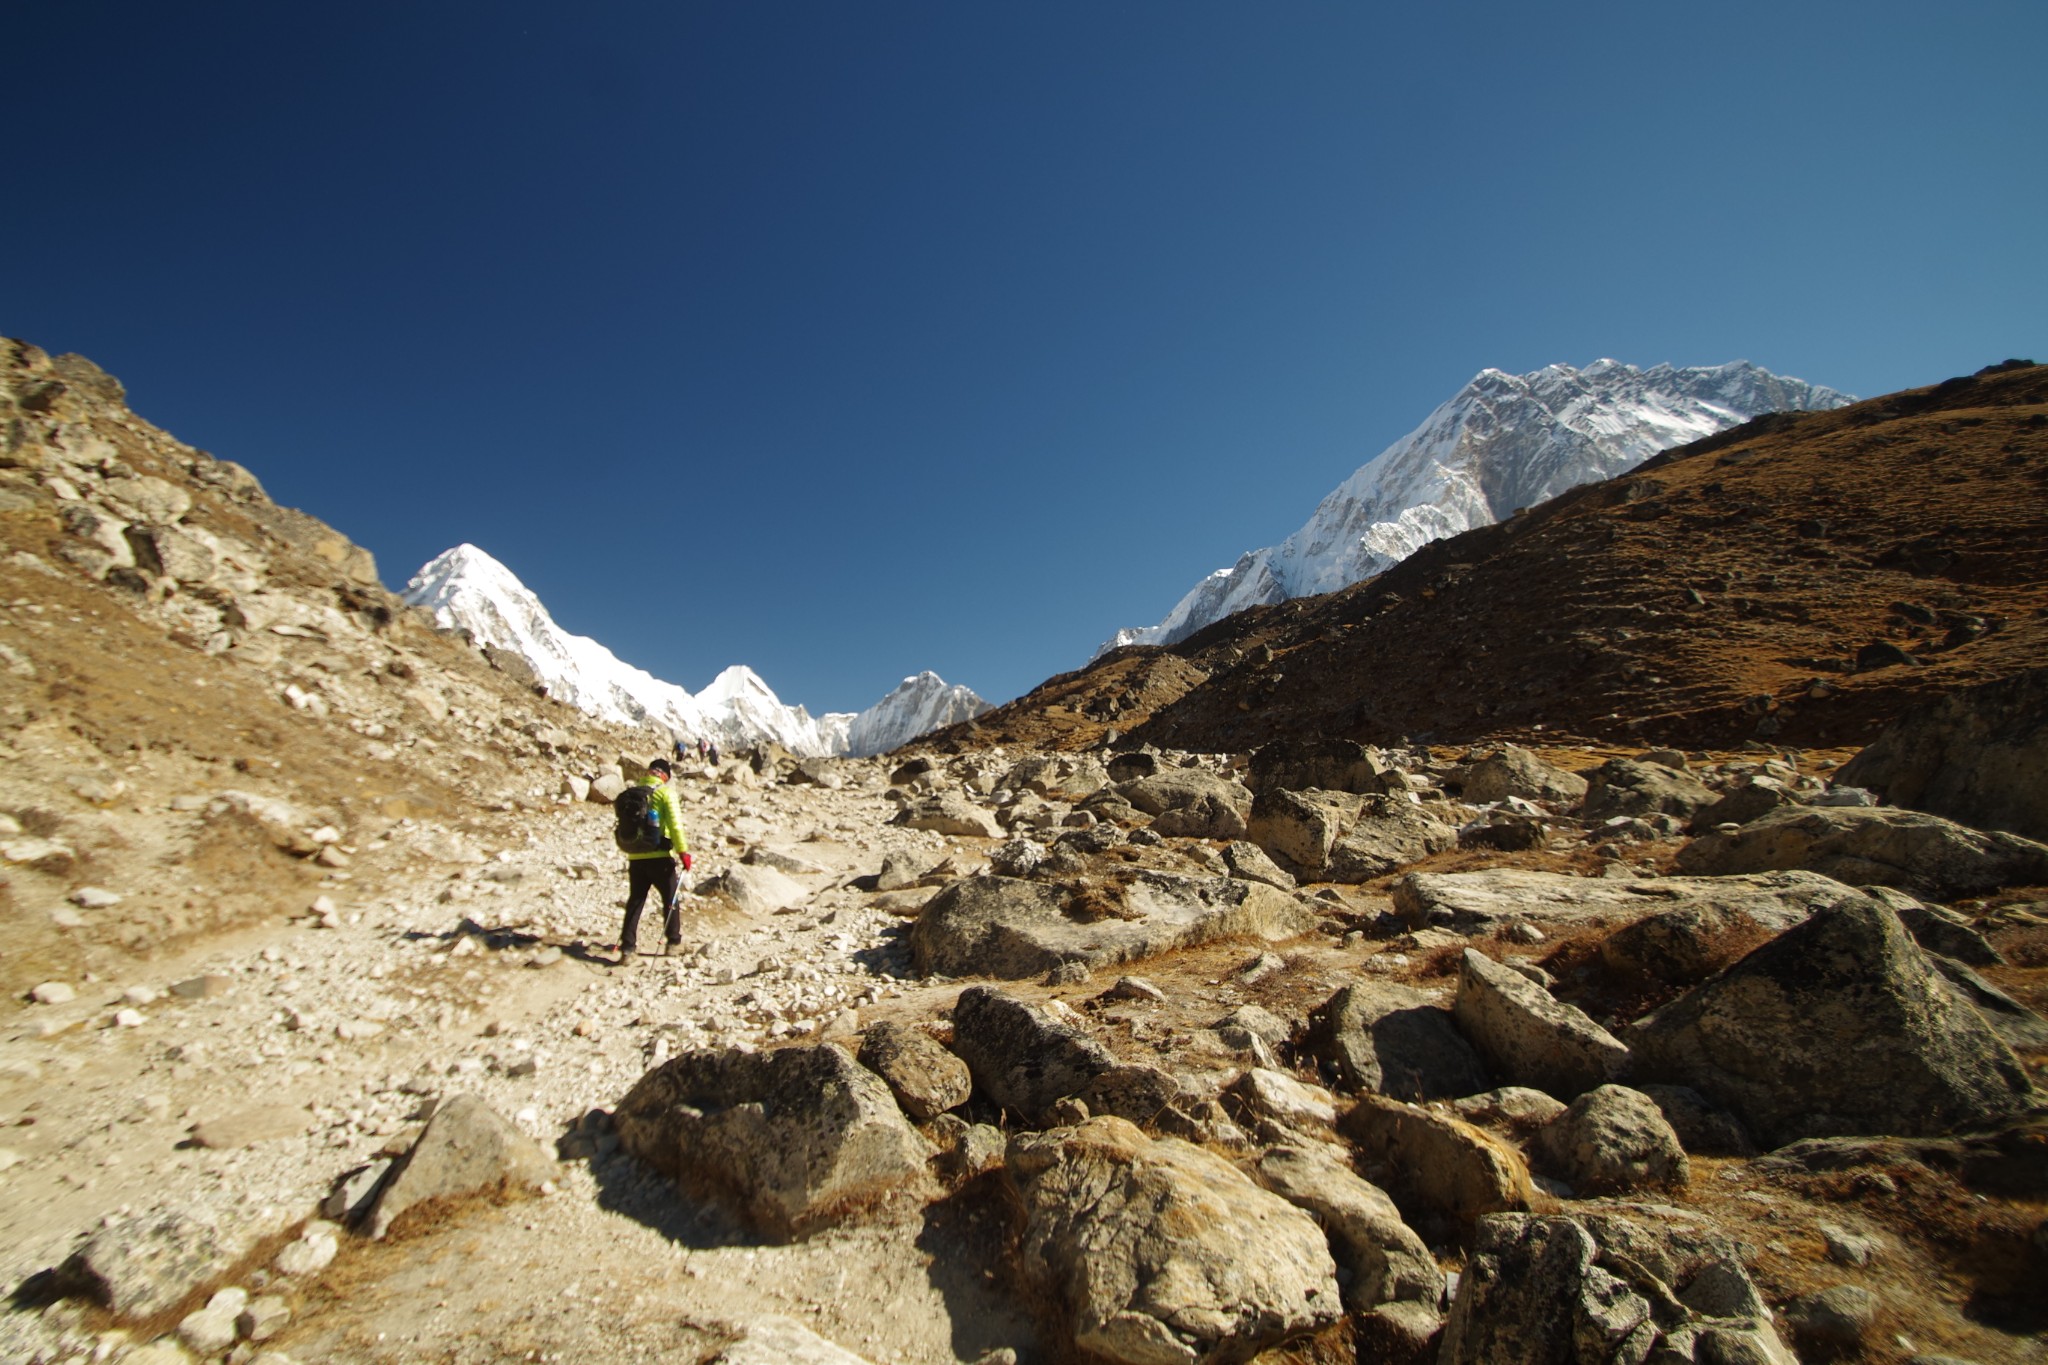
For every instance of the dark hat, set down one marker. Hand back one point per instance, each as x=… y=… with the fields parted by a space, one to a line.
x=660 y=765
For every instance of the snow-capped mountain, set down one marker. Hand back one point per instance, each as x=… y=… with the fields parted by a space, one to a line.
x=467 y=589
x=1503 y=442
x=918 y=705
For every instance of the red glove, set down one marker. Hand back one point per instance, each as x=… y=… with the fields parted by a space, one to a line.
x=686 y=862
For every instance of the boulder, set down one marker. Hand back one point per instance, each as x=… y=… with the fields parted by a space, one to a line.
x=1530 y=1037
x=1013 y=929
x=926 y=1079
x=1393 y=1039
x=1516 y=1108
x=1873 y=846
x=1757 y=796
x=1262 y=1093
x=1684 y=945
x=1519 y=773
x=796 y=1139
x=1703 y=1129
x=1479 y=902
x=467 y=1148
x=1160 y=1253
x=1559 y=1291
x=1632 y=786
x=171 y=553
x=1336 y=765
x=1022 y=1057
x=772 y=1339
x=1179 y=787
x=142 y=1266
x=1297 y=829
x=1060 y=777
x=606 y=786
x=1978 y=756
x=1384 y=833
x=1208 y=816
x=1247 y=860
x=1837 y=1026
x=949 y=813
x=758 y=890
x=1611 y=1140
x=1831 y=1323
x=1433 y=1163
x=1379 y=1258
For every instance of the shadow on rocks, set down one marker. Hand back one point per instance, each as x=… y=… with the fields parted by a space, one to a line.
x=966 y=1238
x=629 y=1188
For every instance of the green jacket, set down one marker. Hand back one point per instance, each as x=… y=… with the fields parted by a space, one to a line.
x=671 y=820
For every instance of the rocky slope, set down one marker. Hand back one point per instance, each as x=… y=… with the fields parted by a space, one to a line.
x=467 y=590
x=317 y=1049
x=1502 y=443
x=1798 y=579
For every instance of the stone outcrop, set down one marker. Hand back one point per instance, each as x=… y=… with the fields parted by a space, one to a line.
x=1528 y=1036
x=1379 y=1258
x=1020 y=1056
x=1873 y=846
x=1838 y=1026
x=467 y=1148
x=796 y=1139
x=1392 y=1039
x=1178 y=787
x=1978 y=756
x=1517 y=772
x=1336 y=836
x=1684 y=945
x=1475 y=902
x=1633 y=786
x=1433 y=1163
x=1335 y=765
x=1611 y=1140
x=1562 y=1291
x=142 y=1266
x=1011 y=928
x=949 y=813
x=1160 y=1253
x=926 y=1079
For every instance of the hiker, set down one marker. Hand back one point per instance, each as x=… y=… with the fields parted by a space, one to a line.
x=683 y=750
x=700 y=748
x=650 y=834
x=714 y=753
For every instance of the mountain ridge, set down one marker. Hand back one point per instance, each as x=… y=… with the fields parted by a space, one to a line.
x=1502 y=442
x=468 y=589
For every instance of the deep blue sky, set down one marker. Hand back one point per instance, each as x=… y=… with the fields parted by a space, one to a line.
x=957 y=335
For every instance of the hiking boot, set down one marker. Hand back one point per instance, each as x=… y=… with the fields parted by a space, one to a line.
x=671 y=949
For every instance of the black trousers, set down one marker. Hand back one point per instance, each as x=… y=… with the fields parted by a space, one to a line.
x=644 y=875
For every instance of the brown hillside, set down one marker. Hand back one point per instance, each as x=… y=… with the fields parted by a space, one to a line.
x=1800 y=579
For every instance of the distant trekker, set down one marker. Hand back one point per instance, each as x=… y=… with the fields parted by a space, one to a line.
x=650 y=834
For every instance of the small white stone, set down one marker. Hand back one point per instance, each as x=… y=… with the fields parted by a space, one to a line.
x=129 y=1018
x=94 y=898
x=53 y=993
x=139 y=995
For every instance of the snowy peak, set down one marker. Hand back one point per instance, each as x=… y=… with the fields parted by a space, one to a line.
x=1503 y=442
x=466 y=589
x=919 y=704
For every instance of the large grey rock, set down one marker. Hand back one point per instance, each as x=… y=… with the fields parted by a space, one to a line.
x=773 y=1339
x=1160 y=1253
x=1978 y=756
x=1178 y=787
x=1297 y=829
x=1022 y=1057
x=1530 y=1037
x=467 y=1148
x=1830 y=1323
x=172 y=553
x=1379 y=1258
x=1565 y=1291
x=141 y=1266
x=926 y=1079
x=1209 y=816
x=1612 y=1140
x=949 y=813
x=1385 y=833
x=1265 y=1094
x=1061 y=777
x=1477 y=902
x=797 y=1139
x=1433 y=1163
x=1247 y=860
x=1336 y=765
x=1757 y=796
x=1517 y=772
x=1838 y=1026
x=1873 y=846
x=1631 y=786
x=1010 y=928
x=1380 y=1036
x=758 y=890
x=1684 y=945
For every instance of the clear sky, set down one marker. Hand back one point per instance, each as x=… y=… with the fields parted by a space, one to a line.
x=846 y=339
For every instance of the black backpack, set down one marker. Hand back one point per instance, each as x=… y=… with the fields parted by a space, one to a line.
x=639 y=822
